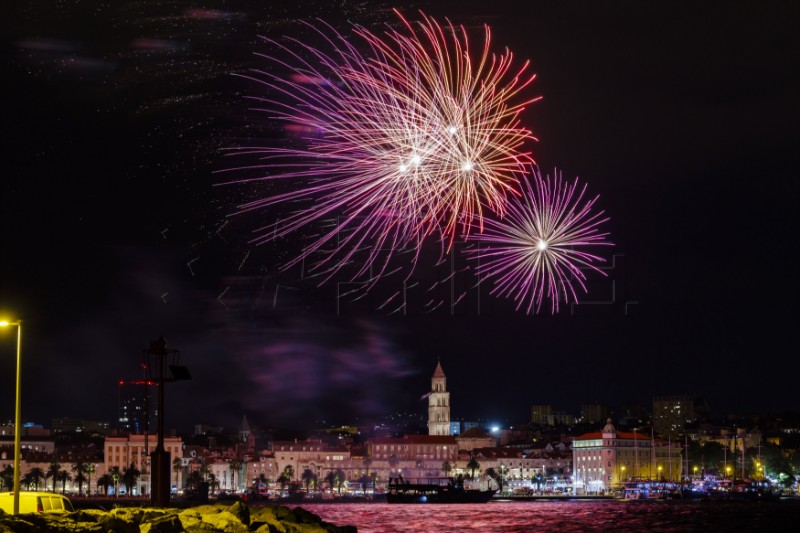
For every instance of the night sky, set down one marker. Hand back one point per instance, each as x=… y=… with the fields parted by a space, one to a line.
x=682 y=116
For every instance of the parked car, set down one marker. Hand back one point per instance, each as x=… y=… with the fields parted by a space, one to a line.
x=36 y=502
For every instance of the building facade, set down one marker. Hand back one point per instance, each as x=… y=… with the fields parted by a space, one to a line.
x=122 y=452
x=594 y=413
x=137 y=406
x=311 y=454
x=604 y=460
x=672 y=413
x=540 y=412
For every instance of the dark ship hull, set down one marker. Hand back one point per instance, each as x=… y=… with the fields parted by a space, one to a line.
x=435 y=492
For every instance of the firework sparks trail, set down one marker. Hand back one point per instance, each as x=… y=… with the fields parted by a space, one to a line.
x=416 y=137
x=539 y=249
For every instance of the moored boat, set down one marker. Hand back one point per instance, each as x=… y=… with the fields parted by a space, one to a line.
x=651 y=490
x=434 y=490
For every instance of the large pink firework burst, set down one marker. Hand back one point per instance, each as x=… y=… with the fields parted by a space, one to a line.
x=541 y=247
x=413 y=135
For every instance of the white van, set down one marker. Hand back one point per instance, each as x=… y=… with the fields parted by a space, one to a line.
x=36 y=502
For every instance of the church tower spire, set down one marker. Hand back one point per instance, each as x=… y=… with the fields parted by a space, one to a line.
x=439 y=404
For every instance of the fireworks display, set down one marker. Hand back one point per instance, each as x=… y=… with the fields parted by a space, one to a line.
x=540 y=248
x=409 y=136
x=412 y=136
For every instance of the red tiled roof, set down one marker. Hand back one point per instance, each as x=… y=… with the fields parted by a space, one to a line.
x=475 y=433
x=416 y=439
x=497 y=453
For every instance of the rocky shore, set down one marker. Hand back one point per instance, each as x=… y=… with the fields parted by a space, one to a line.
x=235 y=518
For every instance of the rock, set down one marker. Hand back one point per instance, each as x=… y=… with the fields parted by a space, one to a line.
x=236 y=518
x=277 y=519
x=241 y=511
x=131 y=515
x=226 y=521
x=166 y=523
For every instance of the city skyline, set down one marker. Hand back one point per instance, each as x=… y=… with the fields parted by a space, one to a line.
x=115 y=233
x=411 y=417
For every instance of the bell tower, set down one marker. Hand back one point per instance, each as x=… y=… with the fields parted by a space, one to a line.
x=439 y=404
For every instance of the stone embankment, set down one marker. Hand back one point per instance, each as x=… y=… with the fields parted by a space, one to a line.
x=236 y=518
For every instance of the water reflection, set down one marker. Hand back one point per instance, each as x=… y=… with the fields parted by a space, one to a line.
x=568 y=516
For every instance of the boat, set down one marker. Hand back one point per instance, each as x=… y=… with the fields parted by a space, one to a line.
x=434 y=490
x=651 y=490
x=751 y=491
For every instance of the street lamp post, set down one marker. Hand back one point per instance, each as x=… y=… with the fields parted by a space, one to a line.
x=18 y=412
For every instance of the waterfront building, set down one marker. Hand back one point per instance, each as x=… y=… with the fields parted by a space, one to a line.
x=312 y=454
x=260 y=468
x=438 y=404
x=121 y=452
x=414 y=447
x=604 y=460
x=511 y=463
x=413 y=456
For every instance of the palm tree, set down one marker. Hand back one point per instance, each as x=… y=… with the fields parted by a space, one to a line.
x=80 y=479
x=129 y=477
x=213 y=483
x=63 y=476
x=53 y=471
x=491 y=473
x=286 y=476
x=105 y=481
x=364 y=482
x=340 y=479
x=79 y=468
x=116 y=476
x=7 y=477
x=177 y=467
x=89 y=469
x=446 y=468
x=26 y=481
x=473 y=465
x=193 y=479
x=330 y=478
x=308 y=476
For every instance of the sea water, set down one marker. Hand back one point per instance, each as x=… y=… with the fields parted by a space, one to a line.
x=567 y=516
